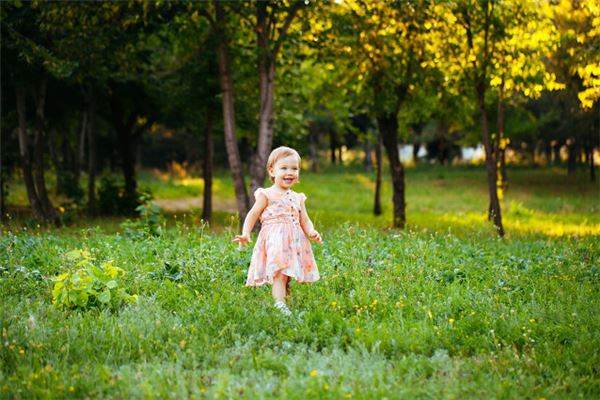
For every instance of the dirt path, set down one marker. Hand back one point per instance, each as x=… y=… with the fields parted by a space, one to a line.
x=190 y=203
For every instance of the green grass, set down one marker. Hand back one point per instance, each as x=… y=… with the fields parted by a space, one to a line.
x=442 y=310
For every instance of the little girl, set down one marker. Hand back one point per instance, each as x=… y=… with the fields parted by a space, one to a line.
x=282 y=250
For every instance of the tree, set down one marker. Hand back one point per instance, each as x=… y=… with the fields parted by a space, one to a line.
x=186 y=81
x=219 y=20
x=482 y=44
x=578 y=61
x=109 y=44
x=32 y=63
x=383 y=44
x=272 y=22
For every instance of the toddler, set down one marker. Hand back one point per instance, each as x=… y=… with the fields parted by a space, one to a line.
x=282 y=250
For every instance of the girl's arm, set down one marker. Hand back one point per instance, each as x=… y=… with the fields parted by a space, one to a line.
x=251 y=218
x=307 y=225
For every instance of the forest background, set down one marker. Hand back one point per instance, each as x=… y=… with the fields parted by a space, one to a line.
x=134 y=133
x=91 y=89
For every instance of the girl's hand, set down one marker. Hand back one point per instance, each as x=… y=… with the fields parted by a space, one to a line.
x=314 y=235
x=243 y=240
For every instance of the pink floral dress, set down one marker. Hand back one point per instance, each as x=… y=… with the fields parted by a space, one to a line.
x=282 y=246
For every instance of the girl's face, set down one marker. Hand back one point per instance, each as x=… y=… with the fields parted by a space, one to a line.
x=285 y=172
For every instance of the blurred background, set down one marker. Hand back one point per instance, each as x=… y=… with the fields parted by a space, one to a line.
x=105 y=101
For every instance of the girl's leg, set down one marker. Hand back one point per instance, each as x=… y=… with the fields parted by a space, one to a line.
x=279 y=289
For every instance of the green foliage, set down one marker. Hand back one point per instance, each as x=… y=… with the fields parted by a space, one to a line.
x=170 y=271
x=149 y=222
x=87 y=285
x=68 y=185
x=113 y=200
x=424 y=314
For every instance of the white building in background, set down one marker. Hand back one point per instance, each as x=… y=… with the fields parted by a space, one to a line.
x=473 y=154
x=468 y=154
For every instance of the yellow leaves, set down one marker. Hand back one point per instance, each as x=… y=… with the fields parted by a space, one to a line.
x=588 y=97
x=195 y=17
x=496 y=81
x=589 y=70
x=590 y=74
x=556 y=86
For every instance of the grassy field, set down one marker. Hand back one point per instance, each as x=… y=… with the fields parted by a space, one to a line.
x=444 y=309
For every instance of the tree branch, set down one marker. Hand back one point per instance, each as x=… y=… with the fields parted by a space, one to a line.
x=283 y=31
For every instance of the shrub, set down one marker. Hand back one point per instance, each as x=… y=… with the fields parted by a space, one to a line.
x=88 y=286
x=113 y=200
x=150 y=219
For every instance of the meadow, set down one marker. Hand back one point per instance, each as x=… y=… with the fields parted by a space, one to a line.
x=443 y=309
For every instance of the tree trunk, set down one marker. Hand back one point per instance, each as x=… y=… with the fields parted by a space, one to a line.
x=80 y=152
x=314 y=141
x=124 y=127
x=494 y=212
x=415 y=152
x=38 y=154
x=266 y=73
x=571 y=162
x=53 y=153
x=91 y=138
x=208 y=166
x=556 y=150
x=233 y=154
x=500 y=145
x=441 y=131
x=592 y=166
x=332 y=145
x=548 y=152
x=368 y=156
x=378 y=167
x=25 y=156
x=388 y=128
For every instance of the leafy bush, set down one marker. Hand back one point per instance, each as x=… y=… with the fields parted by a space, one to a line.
x=150 y=219
x=113 y=200
x=67 y=184
x=88 y=285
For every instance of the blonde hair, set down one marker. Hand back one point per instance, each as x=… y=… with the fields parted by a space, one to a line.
x=278 y=154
